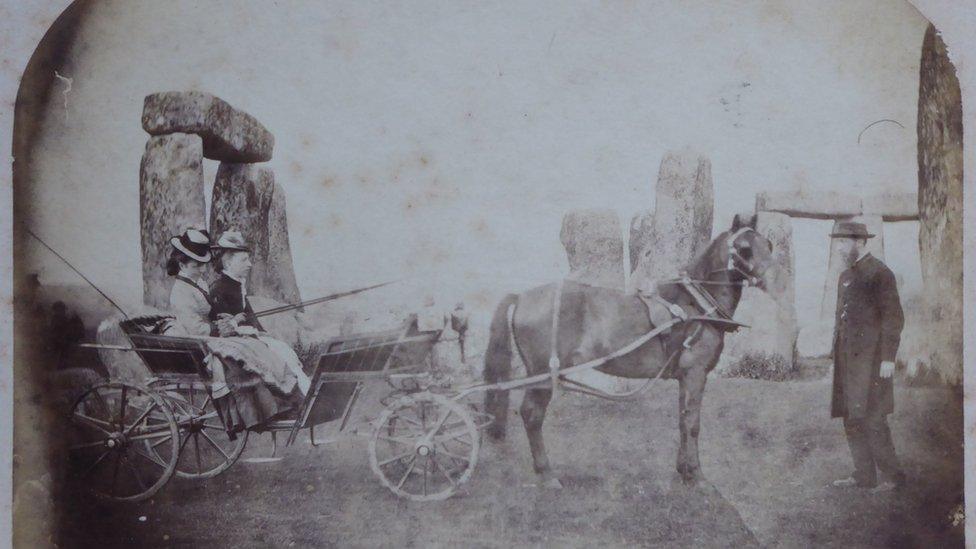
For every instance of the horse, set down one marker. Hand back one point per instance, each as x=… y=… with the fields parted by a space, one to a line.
x=593 y=322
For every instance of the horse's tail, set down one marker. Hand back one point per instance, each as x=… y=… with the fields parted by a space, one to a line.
x=498 y=366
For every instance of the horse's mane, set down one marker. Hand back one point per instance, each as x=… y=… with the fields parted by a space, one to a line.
x=700 y=267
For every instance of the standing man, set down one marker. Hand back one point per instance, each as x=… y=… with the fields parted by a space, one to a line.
x=867 y=331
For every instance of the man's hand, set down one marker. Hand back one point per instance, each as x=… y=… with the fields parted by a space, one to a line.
x=887 y=369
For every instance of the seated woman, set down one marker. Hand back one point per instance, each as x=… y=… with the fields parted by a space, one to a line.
x=189 y=299
x=232 y=314
x=243 y=391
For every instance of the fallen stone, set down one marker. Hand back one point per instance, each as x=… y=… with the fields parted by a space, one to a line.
x=892 y=206
x=229 y=134
x=940 y=202
x=246 y=198
x=809 y=204
x=594 y=246
x=171 y=200
x=682 y=220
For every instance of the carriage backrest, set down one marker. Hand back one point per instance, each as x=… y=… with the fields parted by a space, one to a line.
x=166 y=355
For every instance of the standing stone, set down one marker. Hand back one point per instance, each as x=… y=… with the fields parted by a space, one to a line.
x=837 y=264
x=771 y=331
x=229 y=134
x=682 y=220
x=771 y=315
x=940 y=201
x=778 y=228
x=247 y=199
x=171 y=200
x=594 y=246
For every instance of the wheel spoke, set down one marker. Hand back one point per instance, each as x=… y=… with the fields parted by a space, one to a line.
x=151 y=435
x=413 y=463
x=102 y=426
x=395 y=458
x=87 y=445
x=142 y=416
x=151 y=459
x=446 y=473
x=196 y=449
x=115 y=470
x=123 y=402
x=135 y=473
x=105 y=407
x=215 y=445
x=453 y=455
x=91 y=467
x=397 y=440
x=456 y=435
x=426 y=466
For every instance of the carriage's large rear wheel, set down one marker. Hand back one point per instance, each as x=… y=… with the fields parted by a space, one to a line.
x=424 y=447
x=113 y=425
x=207 y=449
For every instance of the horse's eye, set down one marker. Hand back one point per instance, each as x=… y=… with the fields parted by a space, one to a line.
x=745 y=252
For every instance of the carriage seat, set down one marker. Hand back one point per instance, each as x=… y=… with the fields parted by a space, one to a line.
x=165 y=356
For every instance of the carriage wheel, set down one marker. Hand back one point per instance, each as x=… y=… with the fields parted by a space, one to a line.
x=207 y=449
x=112 y=427
x=424 y=446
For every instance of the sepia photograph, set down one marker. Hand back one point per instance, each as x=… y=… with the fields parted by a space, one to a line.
x=469 y=274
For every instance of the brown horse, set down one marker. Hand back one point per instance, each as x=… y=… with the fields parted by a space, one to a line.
x=594 y=322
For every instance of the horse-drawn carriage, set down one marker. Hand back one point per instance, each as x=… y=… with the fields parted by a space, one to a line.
x=127 y=440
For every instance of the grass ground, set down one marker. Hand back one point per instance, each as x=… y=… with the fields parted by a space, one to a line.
x=769 y=450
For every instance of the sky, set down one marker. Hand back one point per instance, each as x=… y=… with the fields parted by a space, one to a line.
x=444 y=141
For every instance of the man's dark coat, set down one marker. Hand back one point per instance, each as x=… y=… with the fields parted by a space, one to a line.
x=867 y=331
x=226 y=297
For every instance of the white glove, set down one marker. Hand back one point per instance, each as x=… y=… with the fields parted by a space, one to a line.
x=887 y=369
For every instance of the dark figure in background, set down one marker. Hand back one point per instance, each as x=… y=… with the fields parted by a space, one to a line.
x=867 y=332
x=459 y=323
x=63 y=333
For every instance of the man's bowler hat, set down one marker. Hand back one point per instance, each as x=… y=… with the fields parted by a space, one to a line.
x=851 y=229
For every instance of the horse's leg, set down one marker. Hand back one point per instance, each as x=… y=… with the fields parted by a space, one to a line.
x=692 y=388
x=533 y=413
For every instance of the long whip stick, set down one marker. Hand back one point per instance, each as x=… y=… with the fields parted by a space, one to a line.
x=68 y=263
x=283 y=308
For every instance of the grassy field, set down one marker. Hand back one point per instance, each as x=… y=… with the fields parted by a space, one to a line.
x=769 y=450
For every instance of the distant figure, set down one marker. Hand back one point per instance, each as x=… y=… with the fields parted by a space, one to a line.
x=63 y=333
x=459 y=323
x=867 y=332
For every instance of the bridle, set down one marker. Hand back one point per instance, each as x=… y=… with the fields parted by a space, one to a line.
x=736 y=264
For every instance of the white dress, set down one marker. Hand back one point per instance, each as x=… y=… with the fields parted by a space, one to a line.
x=190 y=306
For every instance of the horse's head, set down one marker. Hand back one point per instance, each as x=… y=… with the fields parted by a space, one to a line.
x=747 y=255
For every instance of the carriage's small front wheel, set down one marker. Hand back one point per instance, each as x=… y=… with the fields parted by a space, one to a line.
x=112 y=427
x=424 y=447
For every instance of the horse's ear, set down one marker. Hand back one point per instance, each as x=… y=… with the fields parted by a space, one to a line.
x=754 y=220
x=736 y=222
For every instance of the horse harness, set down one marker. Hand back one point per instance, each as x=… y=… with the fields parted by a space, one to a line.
x=713 y=311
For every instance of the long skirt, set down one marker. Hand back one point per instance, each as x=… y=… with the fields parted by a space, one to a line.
x=250 y=402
